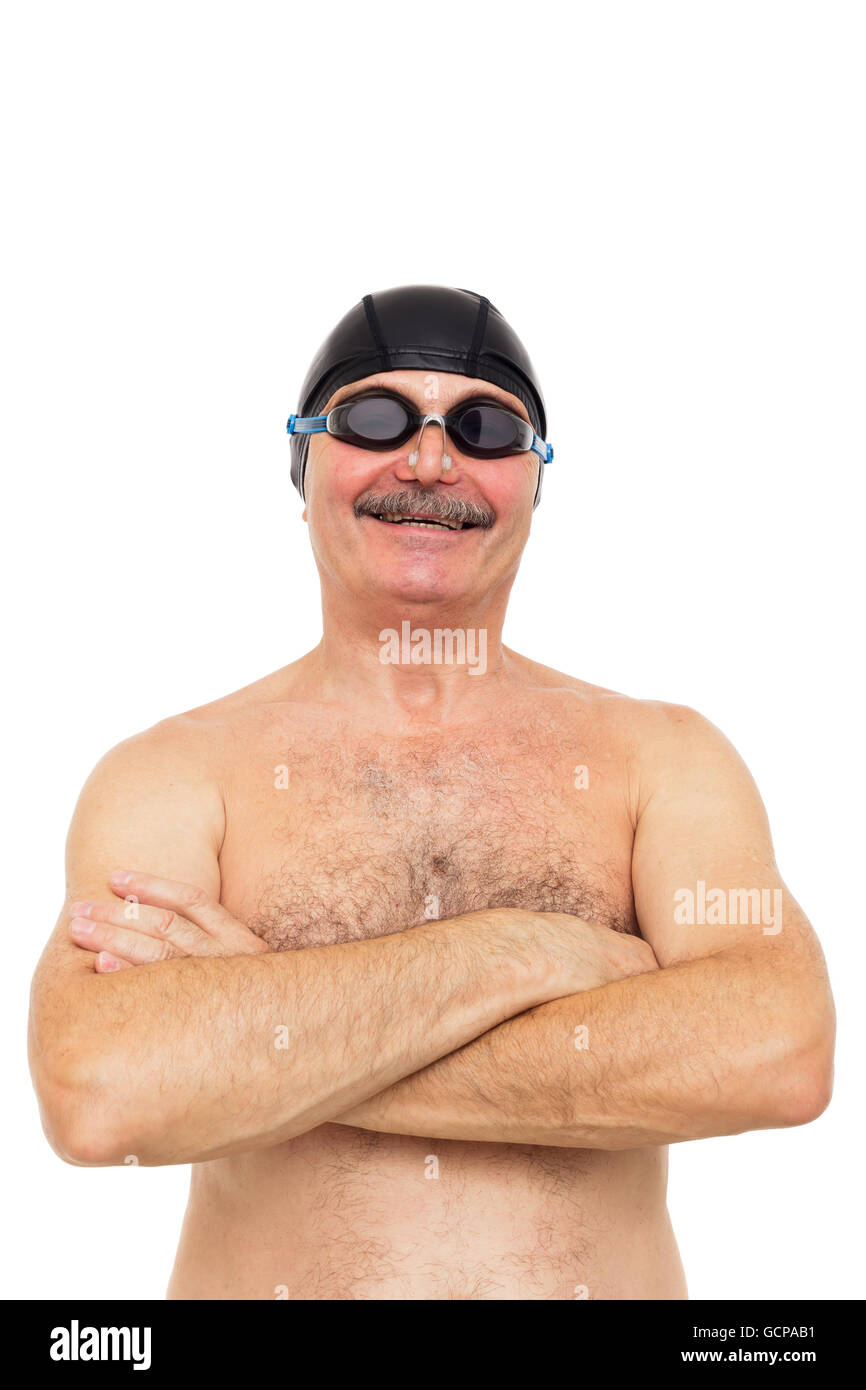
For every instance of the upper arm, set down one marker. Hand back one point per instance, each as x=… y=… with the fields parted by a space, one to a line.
x=150 y=804
x=703 y=867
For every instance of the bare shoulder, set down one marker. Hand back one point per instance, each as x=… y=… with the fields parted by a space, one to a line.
x=660 y=739
x=650 y=721
x=228 y=712
x=196 y=741
x=180 y=764
x=156 y=801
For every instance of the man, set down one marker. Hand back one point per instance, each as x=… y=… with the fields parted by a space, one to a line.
x=419 y=952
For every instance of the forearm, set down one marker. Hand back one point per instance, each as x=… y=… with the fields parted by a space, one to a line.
x=191 y=1059
x=708 y=1047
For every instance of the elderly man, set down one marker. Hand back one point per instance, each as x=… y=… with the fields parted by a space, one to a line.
x=419 y=952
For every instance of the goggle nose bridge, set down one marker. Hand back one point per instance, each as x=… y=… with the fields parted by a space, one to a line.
x=416 y=452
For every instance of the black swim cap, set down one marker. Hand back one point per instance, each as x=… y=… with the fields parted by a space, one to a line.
x=419 y=327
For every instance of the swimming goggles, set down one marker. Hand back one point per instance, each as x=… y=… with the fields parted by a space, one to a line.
x=381 y=421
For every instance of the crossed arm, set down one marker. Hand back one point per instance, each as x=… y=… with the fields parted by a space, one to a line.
x=511 y=1027
x=734 y=1032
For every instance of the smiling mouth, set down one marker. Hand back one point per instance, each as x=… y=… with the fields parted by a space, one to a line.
x=435 y=523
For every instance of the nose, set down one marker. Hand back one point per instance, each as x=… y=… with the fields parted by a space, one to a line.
x=429 y=461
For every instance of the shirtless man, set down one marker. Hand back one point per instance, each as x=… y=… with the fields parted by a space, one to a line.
x=401 y=956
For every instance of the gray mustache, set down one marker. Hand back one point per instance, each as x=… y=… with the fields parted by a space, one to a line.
x=432 y=504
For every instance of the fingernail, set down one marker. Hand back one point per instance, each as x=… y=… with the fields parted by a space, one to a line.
x=108 y=962
x=121 y=878
x=81 y=927
x=80 y=909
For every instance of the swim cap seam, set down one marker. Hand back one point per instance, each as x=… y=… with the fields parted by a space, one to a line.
x=378 y=339
x=478 y=335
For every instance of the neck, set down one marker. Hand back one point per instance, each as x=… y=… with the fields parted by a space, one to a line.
x=428 y=660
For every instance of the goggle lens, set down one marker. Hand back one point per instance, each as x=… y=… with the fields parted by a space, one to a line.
x=377 y=420
x=493 y=431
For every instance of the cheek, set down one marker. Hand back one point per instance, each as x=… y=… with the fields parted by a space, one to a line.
x=510 y=489
x=339 y=474
x=336 y=478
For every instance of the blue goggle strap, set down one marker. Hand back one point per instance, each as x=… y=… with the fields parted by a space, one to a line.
x=307 y=424
x=544 y=451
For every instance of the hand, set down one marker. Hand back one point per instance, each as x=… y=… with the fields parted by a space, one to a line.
x=585 y=955
x=154 y=919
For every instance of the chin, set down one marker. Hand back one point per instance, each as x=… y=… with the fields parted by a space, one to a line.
x=420 y=588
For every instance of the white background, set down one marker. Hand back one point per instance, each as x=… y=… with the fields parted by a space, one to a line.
x=666 y=200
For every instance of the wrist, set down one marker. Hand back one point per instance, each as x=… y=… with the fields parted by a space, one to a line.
x=512 y=946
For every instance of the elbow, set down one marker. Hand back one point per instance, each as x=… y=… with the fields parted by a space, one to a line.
x=79 y=1131
x=81 y=1121
x=83 y=1089
x=86 y=1144
x=803 y=1078
x=94 y=1118
x=804 y=1092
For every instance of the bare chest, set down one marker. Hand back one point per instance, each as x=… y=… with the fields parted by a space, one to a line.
x=339 y=839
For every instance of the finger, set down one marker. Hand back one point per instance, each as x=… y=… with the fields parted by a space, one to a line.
x=128 y=945
x=106 y=964
x=159 y=922
x=191 y=902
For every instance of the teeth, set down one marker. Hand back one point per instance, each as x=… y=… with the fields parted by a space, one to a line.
x=397 y=520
